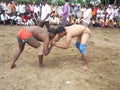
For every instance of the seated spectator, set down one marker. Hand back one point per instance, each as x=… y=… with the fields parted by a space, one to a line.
x=5 y=18
x=18 y=19
x=30 y=22
x=95 y=22
x=59 y=20
x=79 y=20
x=110 y=24
x=54 y=20
x=34 y=17
x=38 y=17
x=114 y=22
x=102 y=22
x=25 y=17
x=71 y=20
x=12 y=18
x=118 y=19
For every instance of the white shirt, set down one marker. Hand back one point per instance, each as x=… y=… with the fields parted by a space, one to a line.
x=13 y=17
x=22 y=8
x=4 y=6
x=54 y=20
x=87 y=16
x=4 y=17
x=16 y=8
x=36 y=9
x=59 y=10
x=8 y=8
x=116 y=12
x=45 y=12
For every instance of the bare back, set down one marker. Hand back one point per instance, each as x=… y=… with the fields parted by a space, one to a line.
x=39 y=33
x=76 y=30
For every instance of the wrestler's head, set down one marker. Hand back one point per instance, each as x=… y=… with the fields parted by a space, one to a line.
x=52 y=33
x=60 y=31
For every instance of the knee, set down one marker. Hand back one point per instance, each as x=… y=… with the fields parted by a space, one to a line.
x=83 y=48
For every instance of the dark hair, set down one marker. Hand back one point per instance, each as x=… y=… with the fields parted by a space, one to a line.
x=60 y=29
x=67 y=0
x=52 y=30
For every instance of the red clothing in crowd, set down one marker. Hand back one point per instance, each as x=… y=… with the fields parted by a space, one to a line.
x=25 y=18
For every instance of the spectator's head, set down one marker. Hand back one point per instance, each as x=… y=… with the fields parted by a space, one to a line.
x=88 y=6
x=44 y=2
x=109 y=6
x=66 y=0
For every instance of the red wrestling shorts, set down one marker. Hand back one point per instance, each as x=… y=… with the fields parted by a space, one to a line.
x=24 y=35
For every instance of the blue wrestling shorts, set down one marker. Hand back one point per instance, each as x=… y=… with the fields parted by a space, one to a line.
x=81 y=47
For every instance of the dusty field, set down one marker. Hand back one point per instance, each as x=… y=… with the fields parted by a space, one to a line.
x=62 y=69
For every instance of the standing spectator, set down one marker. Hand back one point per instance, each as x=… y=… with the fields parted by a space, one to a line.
x=8 y=9
x=75 y=9
x=87 y=15
x=37 y=8
x=110 y=12
x=17 y=7
x=12 y=6
x=65 y=13
x=31 y=7
x=116 y=11
x=22 y=8
x=3 y=6
x=27 y=8
x=45 y=15
x=59 y=10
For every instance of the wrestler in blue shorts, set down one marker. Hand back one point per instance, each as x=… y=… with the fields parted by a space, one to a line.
x=81 y=47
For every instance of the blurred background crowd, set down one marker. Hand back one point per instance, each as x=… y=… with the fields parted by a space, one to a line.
x=31 y=13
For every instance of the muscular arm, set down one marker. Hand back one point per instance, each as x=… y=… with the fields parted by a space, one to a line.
x=65 y=46
x=56 y=38
x=47 y=48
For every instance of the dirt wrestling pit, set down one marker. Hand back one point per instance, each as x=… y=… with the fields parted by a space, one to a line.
x=62 y=69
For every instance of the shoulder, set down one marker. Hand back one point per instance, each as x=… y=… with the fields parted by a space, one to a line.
x=47 y=5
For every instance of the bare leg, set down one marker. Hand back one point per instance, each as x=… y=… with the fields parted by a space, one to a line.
x=17 y=54
x=85 y=66
x=84 y=40
x=36 y=44
x=40 y=58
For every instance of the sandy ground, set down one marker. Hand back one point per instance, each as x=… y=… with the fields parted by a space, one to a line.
x=62 y=69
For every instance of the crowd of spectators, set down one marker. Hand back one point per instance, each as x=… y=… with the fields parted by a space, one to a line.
x=22 y=13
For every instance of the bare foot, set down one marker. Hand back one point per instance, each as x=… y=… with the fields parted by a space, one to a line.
x=41 y=65
x=12 y=66
x=85 y=67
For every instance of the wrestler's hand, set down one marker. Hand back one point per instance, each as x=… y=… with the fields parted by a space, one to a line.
x=53 y=43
